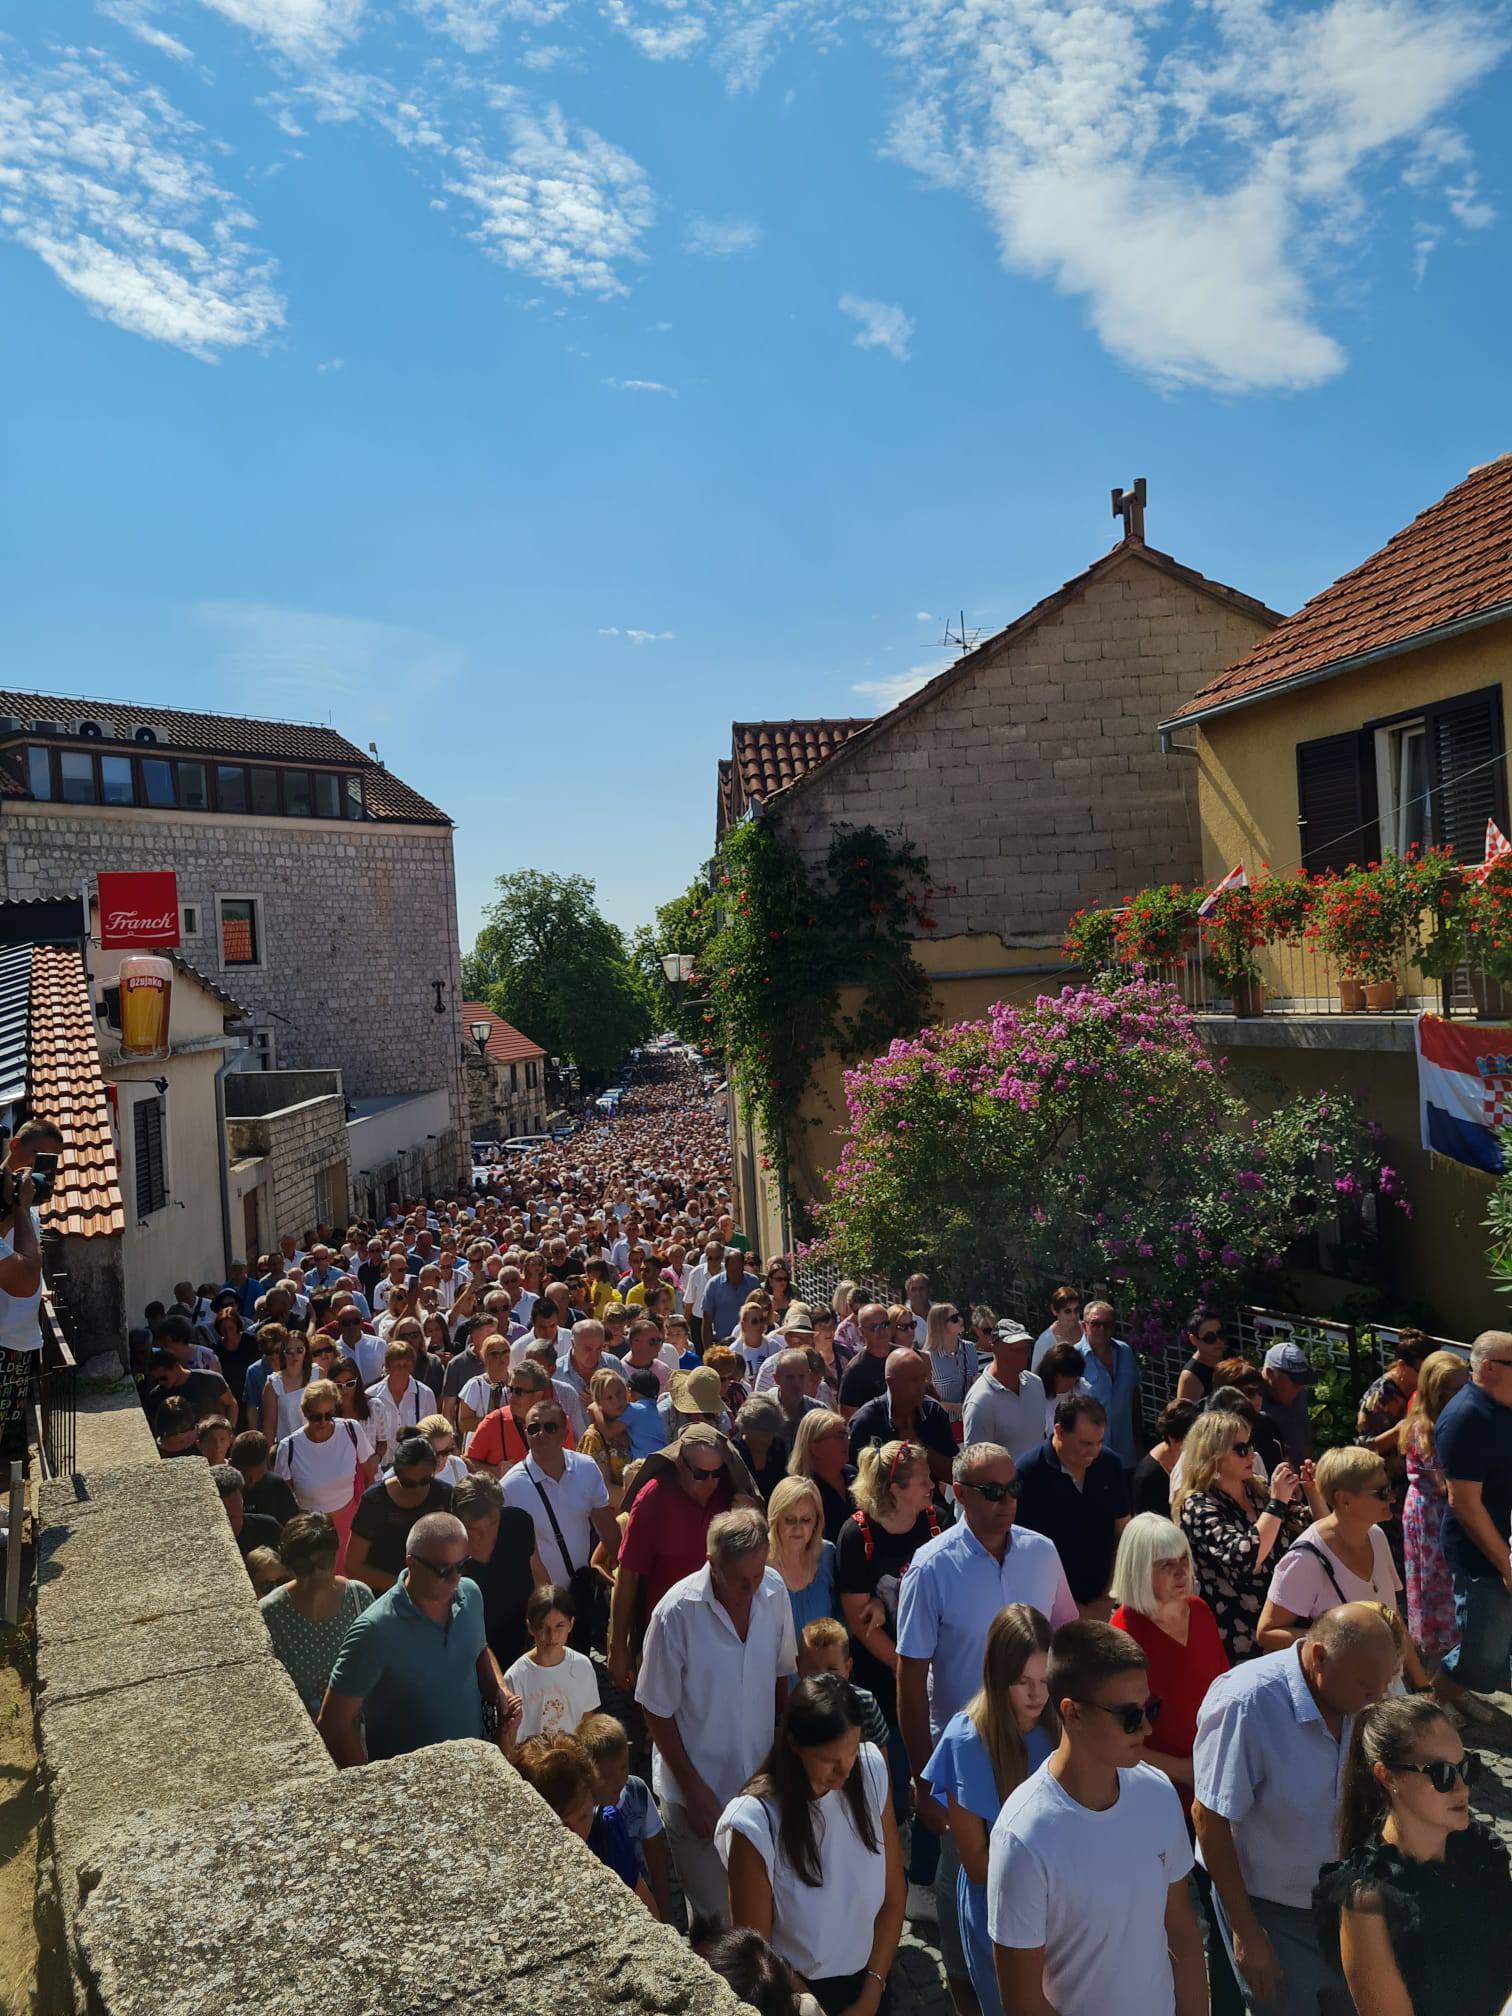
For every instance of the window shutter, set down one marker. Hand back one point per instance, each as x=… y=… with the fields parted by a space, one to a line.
x=151 y=1185
x=1336 y=803
x=1467 y=771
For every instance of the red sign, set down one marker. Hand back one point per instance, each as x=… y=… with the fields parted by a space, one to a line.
x=139 y=908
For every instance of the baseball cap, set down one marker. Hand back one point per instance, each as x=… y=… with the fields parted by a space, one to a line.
x=1011 y=1332
x=696 y=1392
x=1290 y=1359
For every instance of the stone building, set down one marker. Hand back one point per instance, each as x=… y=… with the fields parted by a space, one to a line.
x=1030 y=776
x=314 y=886
x=507 y=1082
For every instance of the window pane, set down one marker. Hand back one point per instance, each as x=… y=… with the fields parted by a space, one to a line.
x=327 y=795
x=230 y=788
x=354 y=797
x=77 y=768
x=191 y=787
x=39 y=773
x=297 y=793
x=264 y=792
x=239 y=946
x=157 y=781
x=115 y=780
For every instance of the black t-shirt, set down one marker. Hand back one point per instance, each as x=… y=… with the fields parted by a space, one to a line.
x=256 y=1531
x=271 y=1498
x=1203 y=1374
x=1080 y=1520
x=865 y=1379
x=1150 y=1489
x=837 y=1504
x=385 y=1526
x=504 y=1579
x=772 y=1471
x=203 y=1391
x=879 y=1574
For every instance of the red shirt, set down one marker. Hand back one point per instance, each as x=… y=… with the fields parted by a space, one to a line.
x=500 y=1440
x=1180 y=1674
x=667 y=1535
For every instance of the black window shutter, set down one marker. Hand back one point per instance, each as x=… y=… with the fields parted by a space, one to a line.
x=1337 y=821
x=151 y=1187
x=1467 y=771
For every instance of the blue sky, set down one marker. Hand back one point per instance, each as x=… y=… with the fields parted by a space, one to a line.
x=534 y=386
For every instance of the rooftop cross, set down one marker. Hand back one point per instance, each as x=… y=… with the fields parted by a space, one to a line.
x=1130 y=506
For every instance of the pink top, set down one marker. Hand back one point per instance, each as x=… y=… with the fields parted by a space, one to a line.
x=1302 y=1585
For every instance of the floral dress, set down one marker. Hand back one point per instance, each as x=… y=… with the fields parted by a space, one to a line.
x=1430 y=1587
x=1224 y=1546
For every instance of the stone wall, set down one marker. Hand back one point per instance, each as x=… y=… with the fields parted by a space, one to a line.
x=300 y=1142
x=1035 y=783
x=196 y=1826
x=359 y=921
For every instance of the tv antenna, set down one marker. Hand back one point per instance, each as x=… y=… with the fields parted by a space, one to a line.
x=960 y=639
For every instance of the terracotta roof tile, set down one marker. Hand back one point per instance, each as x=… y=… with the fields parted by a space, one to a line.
x=66 y=1085
x=769 y=755
x=506 y=1045
x=218 y=735
x=1453 y=561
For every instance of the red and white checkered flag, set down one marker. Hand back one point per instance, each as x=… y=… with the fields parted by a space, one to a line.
x=1498 y=848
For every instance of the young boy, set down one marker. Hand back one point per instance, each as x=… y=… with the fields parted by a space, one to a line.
x=563 y=1773
x=628 y=1800
x=261 y=1490
x=824 y=1647
x=214 y=1434
x=557 y=1686
x=643 y=1421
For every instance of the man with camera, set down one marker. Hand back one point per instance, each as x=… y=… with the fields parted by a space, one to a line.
x=26 y=1177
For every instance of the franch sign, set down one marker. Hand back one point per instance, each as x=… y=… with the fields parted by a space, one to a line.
x=139 y=908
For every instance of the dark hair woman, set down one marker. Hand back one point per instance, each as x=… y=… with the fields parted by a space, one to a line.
x=812 y=1850
x=1413 y=1906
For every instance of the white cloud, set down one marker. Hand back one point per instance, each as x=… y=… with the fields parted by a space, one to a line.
x=107 y=183
x=883 y=326
x=639 y=385
x=545 y=56
x=889 y=691
x=564 y=205
x=299 y=27
x=922 y=616
x=1193 y=178
x=293 y=659
x=474 y=24
x=640 y=636
x=331 y=364
x=133 y=18
x=720 y=237
x=672 y=29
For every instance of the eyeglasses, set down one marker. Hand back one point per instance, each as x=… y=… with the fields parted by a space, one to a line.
x=534 y=1428
x=444 y=1571
x=314 y=1418
x=1131 y=1716
x=996 y=1493
x=1441 y=1774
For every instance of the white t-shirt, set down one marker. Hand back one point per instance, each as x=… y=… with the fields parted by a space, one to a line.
x=556 y=1698
x=20 y=1329
x=579 y=1491
x=320 y=1474
x=1091 y=1889
x=828 y=1930
x=290 y=1419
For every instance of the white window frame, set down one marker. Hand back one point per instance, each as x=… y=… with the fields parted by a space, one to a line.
x=257 y=965
x=1392 y=754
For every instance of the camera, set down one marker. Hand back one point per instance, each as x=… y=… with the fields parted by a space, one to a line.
x=43 y=1175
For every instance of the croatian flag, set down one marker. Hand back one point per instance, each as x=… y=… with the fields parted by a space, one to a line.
x=1235 y=879
x=1464 y=1089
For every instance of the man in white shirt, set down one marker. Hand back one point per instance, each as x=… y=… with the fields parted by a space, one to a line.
x=1007 y=1402
x=1095 y=1823
x=719 y=1652
x=565 y=1495
x=699 y=1277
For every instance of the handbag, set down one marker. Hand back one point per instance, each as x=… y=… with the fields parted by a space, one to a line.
x=590 y=1599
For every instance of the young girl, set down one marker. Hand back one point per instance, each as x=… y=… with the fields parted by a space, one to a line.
x=555 y=1684
x=625 y=1802
x=562 y=1771
x=607 y=1438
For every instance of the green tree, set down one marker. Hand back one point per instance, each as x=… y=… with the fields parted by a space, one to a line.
x=686 y=924
x=548 y=962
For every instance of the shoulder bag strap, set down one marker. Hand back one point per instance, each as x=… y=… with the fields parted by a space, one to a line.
x=1306 y=1547
x=556 y=1531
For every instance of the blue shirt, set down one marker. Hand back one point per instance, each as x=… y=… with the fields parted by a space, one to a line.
x=1473 y=1442
x=1079 y=1518
x=417 y=1680
x=951 y=1592
x=1265 y=1761
x=818 y=1600
x=722 y=1304
x=1116 y=1391
x=246 y=1297
x=645 y=1427
x=961 y=1767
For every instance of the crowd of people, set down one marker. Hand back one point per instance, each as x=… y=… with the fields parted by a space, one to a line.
x=815 y=1618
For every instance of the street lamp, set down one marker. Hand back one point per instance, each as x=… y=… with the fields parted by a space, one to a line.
x=480 y=1033
x=678 y=967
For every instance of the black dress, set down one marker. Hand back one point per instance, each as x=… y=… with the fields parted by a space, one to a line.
x=1447 y=1921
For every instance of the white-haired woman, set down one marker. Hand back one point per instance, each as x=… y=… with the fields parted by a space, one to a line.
x=1159 y=1607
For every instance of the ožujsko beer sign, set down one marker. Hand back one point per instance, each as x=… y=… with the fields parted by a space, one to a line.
x=138 y=908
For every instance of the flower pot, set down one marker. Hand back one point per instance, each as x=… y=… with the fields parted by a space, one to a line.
x=1351 y=996
x=1249 y=997
x=1380 y=996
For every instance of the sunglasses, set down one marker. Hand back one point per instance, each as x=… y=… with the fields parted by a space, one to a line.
x=444 y=1571
x=1441 y=1774
x=694 y=1470
x=534 y=1428
x=346 y=1385
x=1242 y=1449
x=996 y=1493
x=314 y=1418
x=1131 y=1717
x=1211 y=1337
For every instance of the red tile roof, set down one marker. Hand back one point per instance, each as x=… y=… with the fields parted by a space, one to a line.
x=177 y=729
x=768 y=755
x=1453 y=562
x=506 y=1045
x=66 y=1085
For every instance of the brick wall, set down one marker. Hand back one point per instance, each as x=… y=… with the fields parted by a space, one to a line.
x=1035 y=783
x=358 y=921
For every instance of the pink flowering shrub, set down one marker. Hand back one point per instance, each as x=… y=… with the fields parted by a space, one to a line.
x=1091 y=1134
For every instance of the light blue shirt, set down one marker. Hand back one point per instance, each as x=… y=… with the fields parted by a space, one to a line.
x=1265 y=1761
x=952 y=1591
x=1116 y=1392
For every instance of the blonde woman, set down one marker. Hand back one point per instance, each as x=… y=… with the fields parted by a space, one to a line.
x=799 y=1551
x=952 y=1359
x=283 y=1389
x=442 y=1436
x=893 y=1518
x=821 y=1451
x=1430 y=1587
x=1238 y=1528
x=985 y=1751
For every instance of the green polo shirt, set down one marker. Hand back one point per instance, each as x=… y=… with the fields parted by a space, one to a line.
x=417 y=1681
